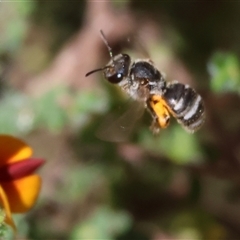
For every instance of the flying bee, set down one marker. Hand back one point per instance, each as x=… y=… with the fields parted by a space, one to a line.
x=143 y=82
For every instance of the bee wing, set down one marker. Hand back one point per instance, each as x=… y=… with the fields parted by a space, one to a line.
x=120 y=129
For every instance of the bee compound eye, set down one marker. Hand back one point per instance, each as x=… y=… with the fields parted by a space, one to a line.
x=115 y=78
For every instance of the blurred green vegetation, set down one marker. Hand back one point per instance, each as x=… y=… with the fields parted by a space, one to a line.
x=150 y=187
x=225 y=72
x=14 y=24
x=104 y=224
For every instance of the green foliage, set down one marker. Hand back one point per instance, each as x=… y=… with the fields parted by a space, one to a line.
x=104 y=223
x=16 y=113
x=48 y=110
x=224 y=69
x=85 y=104
x=61 y=107
x=195 y=224
x=175 y=143
x=121 y=4
x=3 y=227
x=54 y=110
x=13 y=23
x=80 y=181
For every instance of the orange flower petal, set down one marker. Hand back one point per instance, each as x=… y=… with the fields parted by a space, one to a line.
x=22 y=193
x=13 y=150
x=6 y=207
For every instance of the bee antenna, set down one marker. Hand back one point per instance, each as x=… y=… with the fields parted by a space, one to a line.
x=95 y=70
x=106 y=43
x=109 y=50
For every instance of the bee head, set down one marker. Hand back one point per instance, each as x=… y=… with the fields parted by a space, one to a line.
x=118 y=66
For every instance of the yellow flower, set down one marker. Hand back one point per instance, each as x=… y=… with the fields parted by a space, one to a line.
x=19 y=187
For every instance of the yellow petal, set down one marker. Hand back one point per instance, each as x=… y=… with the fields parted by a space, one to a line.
x=22 y=193
x=13 y=150
x=6 y=207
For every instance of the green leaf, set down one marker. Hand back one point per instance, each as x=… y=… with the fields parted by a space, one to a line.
x=86 y=103
x=80 y=182
x=16 y=113
x=49 y=109
x=225 y=72
x=175 y=143
x=13 y=23
x=195 y=224
x=105 y=223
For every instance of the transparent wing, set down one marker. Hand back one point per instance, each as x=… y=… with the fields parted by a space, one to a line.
x=120 y=129
x=137 y=44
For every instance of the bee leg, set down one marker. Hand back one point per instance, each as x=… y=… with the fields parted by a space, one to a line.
x=160 y=114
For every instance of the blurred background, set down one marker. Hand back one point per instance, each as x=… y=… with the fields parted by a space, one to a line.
x=171 y=186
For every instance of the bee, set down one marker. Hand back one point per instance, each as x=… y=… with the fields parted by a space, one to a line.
x=143 y=82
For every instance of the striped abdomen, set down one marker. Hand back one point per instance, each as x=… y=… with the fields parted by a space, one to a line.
x=185 y=105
